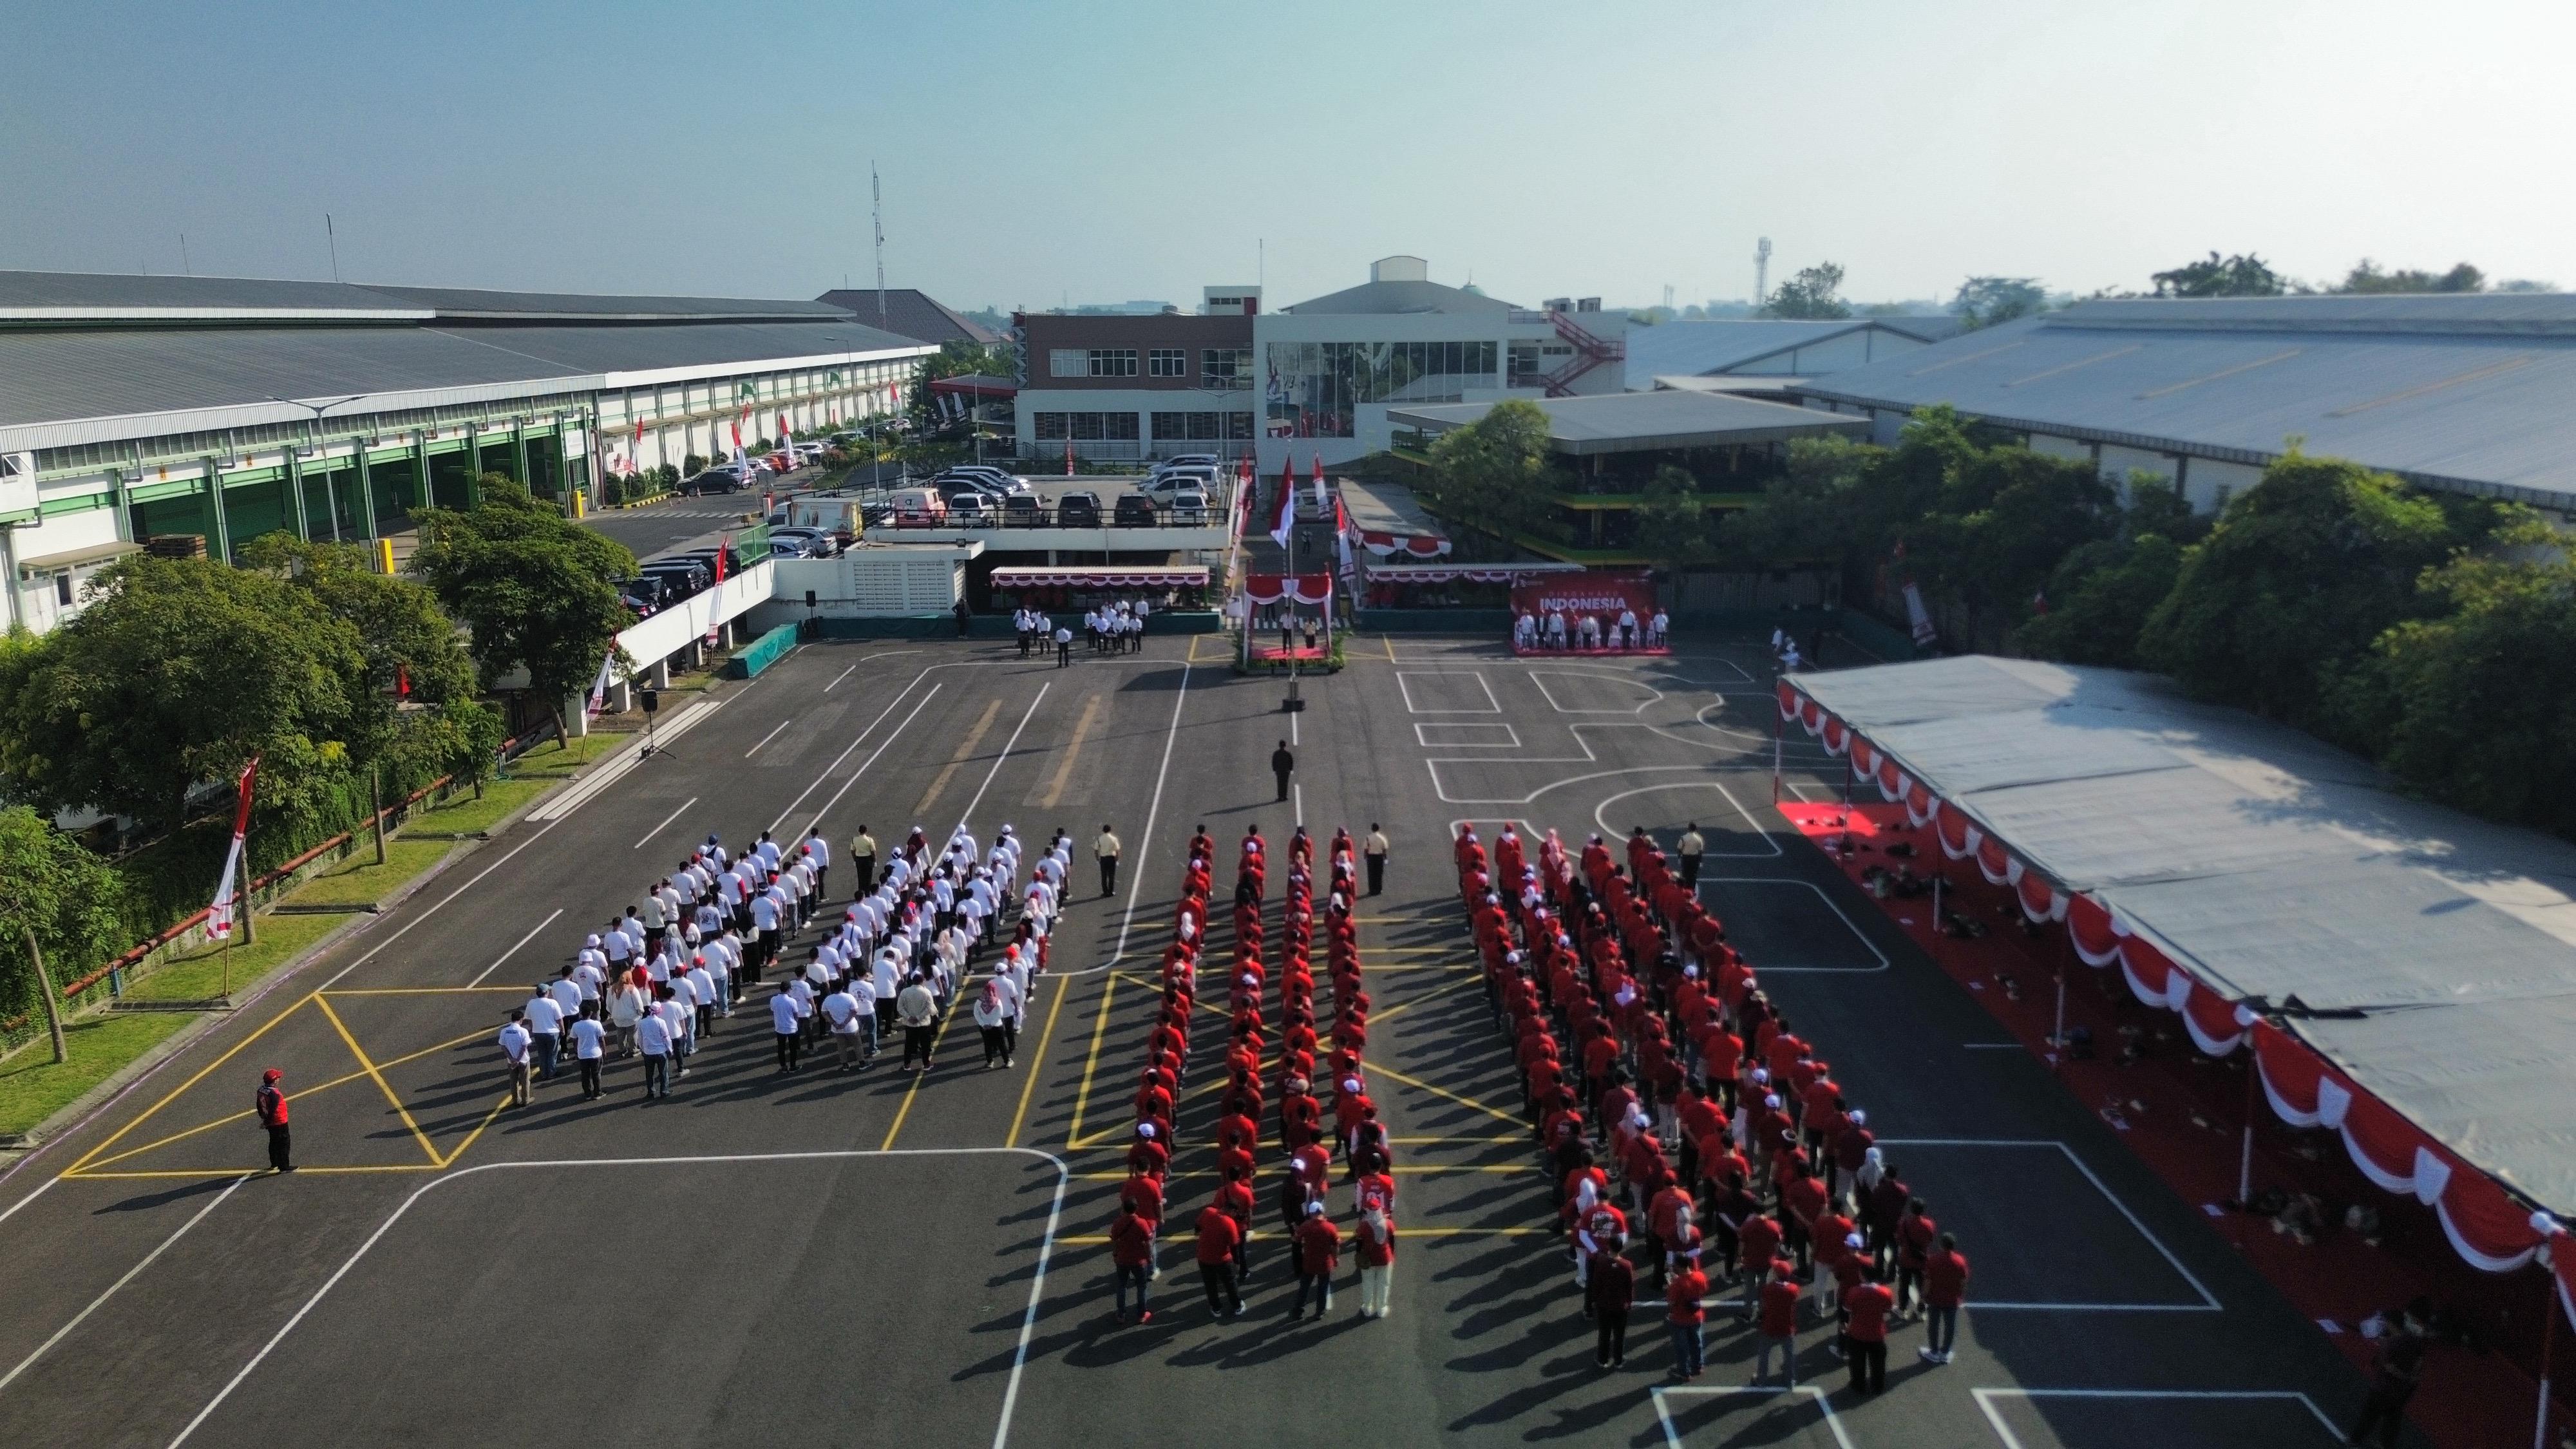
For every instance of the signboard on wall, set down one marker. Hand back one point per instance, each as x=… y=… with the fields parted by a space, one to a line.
x=1602 y=593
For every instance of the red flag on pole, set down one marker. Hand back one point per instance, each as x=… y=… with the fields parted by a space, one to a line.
x=220 y=916
x=1068 y=457
x=724 y=548
x=1319 y=478
x=1287 y=478
x=1286 y=520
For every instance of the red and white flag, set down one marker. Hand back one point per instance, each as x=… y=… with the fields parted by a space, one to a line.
x=1068 y=457
x=1286 y=521
x=599 y=685
x=219 y=916
x=1319 y=481
x=737 y=436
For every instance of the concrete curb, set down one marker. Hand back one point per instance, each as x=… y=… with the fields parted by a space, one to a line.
x=77 y=1112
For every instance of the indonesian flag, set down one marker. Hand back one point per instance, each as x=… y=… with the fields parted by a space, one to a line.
x=737 y=435
x=219 y=916
x=1287 y=478
x=724 y=548
x=1319 y=481
x=1068 y=457
x=635 y=450
x=1286 y=522
x=1342 y=535
x=782 y=430
x=599 y=686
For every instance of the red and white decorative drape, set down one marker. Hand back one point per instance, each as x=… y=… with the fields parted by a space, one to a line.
x=2484 y=1222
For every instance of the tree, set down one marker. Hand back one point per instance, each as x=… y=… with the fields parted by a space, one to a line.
x=2302 y=572
x=537 y=590
x=1811 y=294
x=957 y=358
x=174 y=676
x=2366 y=277
x=57 y=903
x=1496 y=472
x=2242 y=275
x=2525 y=284
x=1672 y=527
x=2477 y=707
x=1986 y=301
x=2099 y=597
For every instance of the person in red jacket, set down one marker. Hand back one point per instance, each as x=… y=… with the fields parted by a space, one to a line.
x=1235 y=1196
x=1610 y=1290
x=1687 y=1314
x=270 y=1103
x=1778 y=1325
x=1945 y=1287
x=1219 y=1239
x=1916 y=1234
x=1759 y=1239
x=1865 y=1334
x=1375 y=1240
x=1319 y=1254
x=1149 y=1155
x=1131 y=1254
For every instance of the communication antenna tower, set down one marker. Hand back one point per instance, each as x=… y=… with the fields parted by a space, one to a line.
x=1761 y=271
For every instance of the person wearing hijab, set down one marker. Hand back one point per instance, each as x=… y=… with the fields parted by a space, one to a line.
x=990 y=1017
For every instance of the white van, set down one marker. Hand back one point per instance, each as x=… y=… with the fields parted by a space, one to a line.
x=1188 y=475
x=918 y=508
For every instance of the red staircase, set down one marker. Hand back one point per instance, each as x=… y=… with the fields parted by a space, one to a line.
x=1589 y=352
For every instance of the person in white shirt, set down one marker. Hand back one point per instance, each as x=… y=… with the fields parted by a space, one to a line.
x=627 y=1005
x=720 y=954
x=764 y=921
x=545 y=1023
x=653 y=1038
x=702 y=985
x=1658 y=628
x=862 y=992
x=787 y=1024
x=566 y=992
x=589 y=1043
x=1556 y=629
x=1063 y=647
x=1627 y=629
x=680 y=1008
x=1011 y=979
x=820 y=852
x=516 y=1047
x=841 y=1022
x=612 y=943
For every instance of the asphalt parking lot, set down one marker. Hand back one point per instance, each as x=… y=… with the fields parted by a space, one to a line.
x=885 y=1258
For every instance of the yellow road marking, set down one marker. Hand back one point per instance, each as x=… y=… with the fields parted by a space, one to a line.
x=965 y=752
x=1037 y=1059
x=1387 y=1071
x=418 y=990
x=937 y=1039
x=450 y=1159
x=174 y=1092
x=261 y=1171
x=1099 y=1030
x=382 y=1085
x=1414 y=1001
x=1073 y=751
x=338 y=1081
x=1389 y=641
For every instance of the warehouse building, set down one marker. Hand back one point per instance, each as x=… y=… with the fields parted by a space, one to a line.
x=2461 y=393
x=220 y=409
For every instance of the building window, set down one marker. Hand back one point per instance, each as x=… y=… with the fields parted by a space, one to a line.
x=1112 y=362
x=1225 y=367
x=1068 y=362
x=1167 y=362
x=1524 y=364
x=1238 y=427
x=1314 y=387
x=1088 y=427
x=1169 y=426
x=63 y=589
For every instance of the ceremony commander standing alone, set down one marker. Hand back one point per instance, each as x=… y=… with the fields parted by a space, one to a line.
x=1282 y=765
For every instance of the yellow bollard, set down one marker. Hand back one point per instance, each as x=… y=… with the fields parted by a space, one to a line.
x=385 y=556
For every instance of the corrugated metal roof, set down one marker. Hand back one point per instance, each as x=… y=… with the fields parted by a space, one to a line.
x=463 y=302
x=2275 y=868
x=2444 y=399
x=109 y=373
x=1699 y=348
x=108 y=290
x=910 y=312
x=56 y=297
x=1390 y=298
x=1628 y=422
x=627 y=347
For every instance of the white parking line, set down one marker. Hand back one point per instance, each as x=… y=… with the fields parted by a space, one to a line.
x=1985 y=1398
x=836 y=679
x=765 y=739
x=1028 y=1319
x=1770 y=847
x=1422 y=736
x=2208 y=1301
x=78 y=1318
x=1809 y=1392
x=1536 y=677
x=1492 y=705
x=1004 y=755
x=646 y=838
x=523 y=940
x=1848 y=923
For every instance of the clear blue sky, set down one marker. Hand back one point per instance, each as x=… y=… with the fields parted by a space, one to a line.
x=1100 y=152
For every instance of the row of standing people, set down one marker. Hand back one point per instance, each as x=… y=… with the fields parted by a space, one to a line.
x=1223 y=1230
x=1777 y=1182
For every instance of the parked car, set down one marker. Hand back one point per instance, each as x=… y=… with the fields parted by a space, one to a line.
x=972 y=510
x=1021 y=510
x=1187 y=460
x=1078 y=509
x=1133 y=510
x=719 y=479
x=644 y=594
x=810 y=542
x=917 y=507
x=680 y=578
x=734 y=561
x=1006 y=482
x=982 y=482
x=1189 y=507
x=807 y=452
x=1172 y=479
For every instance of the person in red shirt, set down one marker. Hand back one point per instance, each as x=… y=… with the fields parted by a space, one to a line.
x=1666 y=1212
x=1685 y=1312
x=1131 y=1254
x=1235 y=1196
x=1319 y=1253
x=1219 y=1240
x=1865 y=1333
x=1758 y=1237
x=1611 y=1289
x=1945 y=1287
x=1830 y=1234
x=1143 y=1195
x=1777 y=1322
x=1801 y=1202
x=1149 y=1155
x=1375 y=1240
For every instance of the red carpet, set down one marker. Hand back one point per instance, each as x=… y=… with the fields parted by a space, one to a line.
x=2183 y=1113
x=1646 y=650
x=1273 y=654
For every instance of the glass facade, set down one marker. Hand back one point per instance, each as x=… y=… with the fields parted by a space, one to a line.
x=1202 y=427
x=1313 y=389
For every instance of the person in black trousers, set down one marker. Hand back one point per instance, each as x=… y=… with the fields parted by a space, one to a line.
x=270 y=1102
x=1282 y=765
x=1375 y=855
x=2394 y=1374
x=1609 y=1287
